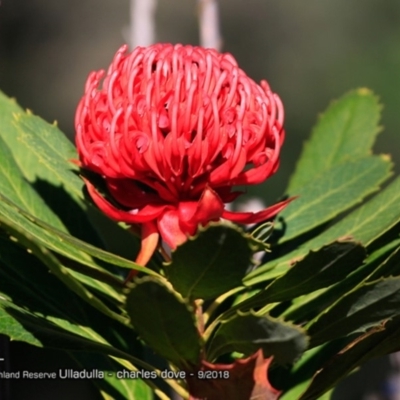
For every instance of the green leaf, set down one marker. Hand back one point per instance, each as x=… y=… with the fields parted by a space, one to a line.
x=390 y=267
x=317 y=270
x=347 y=130
x=56 y=333
x=56 y=267
x=210 y=264
x=295 y=381
x=15 y=187
x=115 y=388
x=378 y=341
x=246 y=333
x=365 y=224
x=22 y=223
x=318 y=301
x=13 y=328
x=164 y=321
x=358 y=310
x=35 y=307
x=370 y=220
x=39 y=309
x=337 y=190
x=40 y=149
x=43 y=153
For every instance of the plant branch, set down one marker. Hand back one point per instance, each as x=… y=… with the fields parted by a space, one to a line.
x=209 y=24
x=142 y=23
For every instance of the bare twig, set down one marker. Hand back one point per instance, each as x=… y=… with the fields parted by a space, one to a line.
x=142 y=25
x=209 y=24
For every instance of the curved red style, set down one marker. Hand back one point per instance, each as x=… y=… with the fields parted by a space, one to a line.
x=172 y=129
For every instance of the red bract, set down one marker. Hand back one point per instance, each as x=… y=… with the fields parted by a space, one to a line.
x=172 y=129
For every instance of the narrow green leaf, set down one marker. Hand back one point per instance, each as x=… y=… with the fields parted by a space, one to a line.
x=370 y=220
x=210 y=264
x=346 y=130
x=115 y=387
x=300 y=375
x=390 y=267
x=248 y=332
x=27 y=281
x=164 y=321
x=357 y=311
x=337 y=190
x=317 y=270
x=379 y=340
x=37 y=308
x=13 y=328
x=365 y=224
x=64 y=244
x=56 y=267
x=314 y=303
x=58 y=333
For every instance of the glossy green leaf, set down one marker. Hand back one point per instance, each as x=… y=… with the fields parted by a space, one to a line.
x=337 y=190
x=61 y=272
x=24 y=280
x=20 y=324
x=13 y=328
x=314 y=303
x=370 y=220
x=164 y=321
x=246 y=333
x=210 y=264
x=15 y=187
x=347 y=130
x=390 y=267
x=112 y=387
x=299 y=377
x=379 y=340
x=43 y=153
x=365 y=224
x=104 y=282
x=64 y=244
x=317 y=270
x=37 y=308
x=357 y=311
x=40 y=149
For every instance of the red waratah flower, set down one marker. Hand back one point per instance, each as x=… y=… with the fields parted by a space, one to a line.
x=171 y=129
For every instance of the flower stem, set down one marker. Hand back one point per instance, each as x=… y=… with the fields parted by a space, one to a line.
x=218 y=301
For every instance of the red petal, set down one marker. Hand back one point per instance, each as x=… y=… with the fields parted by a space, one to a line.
x=146 y=214
x=253 y=218
x=129 y=194
x=226 y=195
x=209 y=208
x=256 y=175
x=168 y=226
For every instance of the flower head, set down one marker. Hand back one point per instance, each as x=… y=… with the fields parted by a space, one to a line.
x=171 y=129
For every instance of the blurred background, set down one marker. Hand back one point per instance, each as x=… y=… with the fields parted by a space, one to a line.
x=309 y=51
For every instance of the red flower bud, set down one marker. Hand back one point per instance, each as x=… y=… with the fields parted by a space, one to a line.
x=172 y=129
